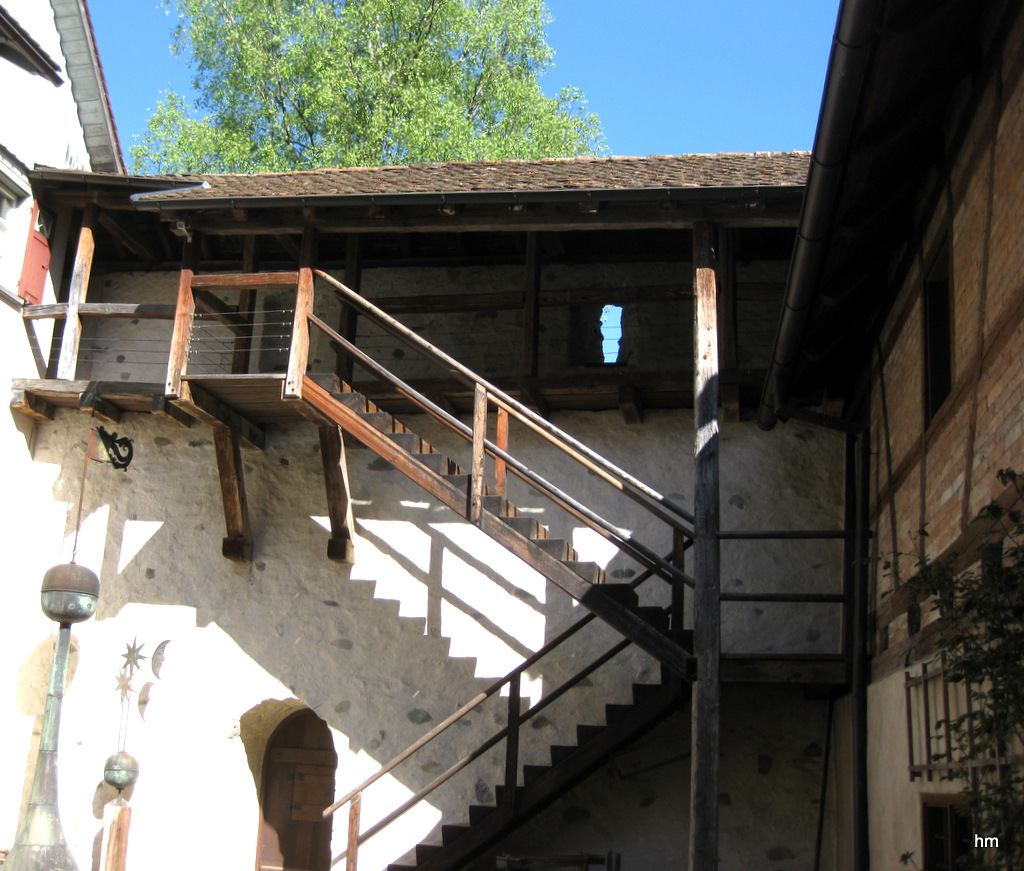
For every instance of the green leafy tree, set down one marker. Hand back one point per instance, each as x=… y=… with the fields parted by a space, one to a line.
x=302 y=84
x=983 y=643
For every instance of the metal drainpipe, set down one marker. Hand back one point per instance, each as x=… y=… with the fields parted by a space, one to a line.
x=860 y=675
x=856 y=31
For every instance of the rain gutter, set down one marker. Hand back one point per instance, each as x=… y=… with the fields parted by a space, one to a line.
x=740 y=194
x=852 y=45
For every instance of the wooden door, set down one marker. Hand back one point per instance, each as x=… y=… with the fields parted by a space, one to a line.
x=298 y=783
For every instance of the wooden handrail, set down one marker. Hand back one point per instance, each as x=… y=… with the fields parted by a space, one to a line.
x=605 y=528
x=657 y=503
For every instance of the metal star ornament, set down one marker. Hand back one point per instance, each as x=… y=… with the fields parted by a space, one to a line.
x=124 y=685
x=134 y=657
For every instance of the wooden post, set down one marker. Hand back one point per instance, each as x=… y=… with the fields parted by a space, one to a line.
x=727 y=336
x=238 y=543
x=678 y=612
x=348 y=324
x=352 y=853
x=512 y=746
x=476 y=487
x=77 y=292
x=501 y=440
x=531 y=328
x=117 y=817
x=703 y=852
x=184 y=311
x=246 y=309
x=339 y=503
x=298 y=351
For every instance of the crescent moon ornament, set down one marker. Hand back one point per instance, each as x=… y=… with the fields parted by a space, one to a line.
x=157 y=659
x=144 y=698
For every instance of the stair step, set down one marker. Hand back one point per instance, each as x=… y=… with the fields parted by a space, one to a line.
x=499 y=506
x=379 y=420
x=499 y=793
x=657 y=617
x=532 y=772
x=585 y=732
x=527 y=526
x=560 y=752
x=643 y=691
x=450 y=832
x=425 y=851
x=434 y=461
x=624 y=594
x=459 y=482
x=407 y=441
x=479 y=812
x=355 y=401
x=591 y=572
x=616 y=713
x=559 y=548
x=684 y=638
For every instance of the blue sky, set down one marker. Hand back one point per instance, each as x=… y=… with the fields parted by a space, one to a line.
x=664 y=76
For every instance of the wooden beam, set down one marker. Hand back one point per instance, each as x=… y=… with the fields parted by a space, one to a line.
x=77 y=292
x=185 y=308
x=349 y=318
x=31 y=405
x=339 y=502
x=135 y=243
x=212 y=305
x=258 y=280
x=298 y=348
x=96 y=405
x=531 y=308
x=728 y=343
x=162 y=408
x=782 y=210
x=705 y=737
x=631 y=405
x=237 y=544
x=196 y=402
x=242 y=356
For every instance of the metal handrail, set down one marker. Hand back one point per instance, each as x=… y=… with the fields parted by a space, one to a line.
x=355 y=795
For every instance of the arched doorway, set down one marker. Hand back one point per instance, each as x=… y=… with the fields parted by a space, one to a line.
x=298 y=783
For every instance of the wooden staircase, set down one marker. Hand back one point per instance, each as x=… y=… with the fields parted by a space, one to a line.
x=616 y=604
x=542 y=784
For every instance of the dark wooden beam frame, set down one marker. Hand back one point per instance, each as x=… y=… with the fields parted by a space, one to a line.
x=706 y=692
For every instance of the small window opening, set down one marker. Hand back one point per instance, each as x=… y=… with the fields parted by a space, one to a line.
x=611 y=332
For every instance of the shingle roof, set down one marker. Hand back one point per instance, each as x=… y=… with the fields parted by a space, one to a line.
x=557 y=175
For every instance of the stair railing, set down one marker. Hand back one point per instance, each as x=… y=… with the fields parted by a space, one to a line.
x=485 y=393
x=516 y=719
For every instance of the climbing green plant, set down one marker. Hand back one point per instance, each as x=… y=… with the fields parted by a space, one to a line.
x=983 y=643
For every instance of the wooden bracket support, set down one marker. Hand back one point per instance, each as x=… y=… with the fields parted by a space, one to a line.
x=339 y=502
x=237 y=544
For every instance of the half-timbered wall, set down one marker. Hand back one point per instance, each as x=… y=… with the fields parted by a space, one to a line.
x=934 y=464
